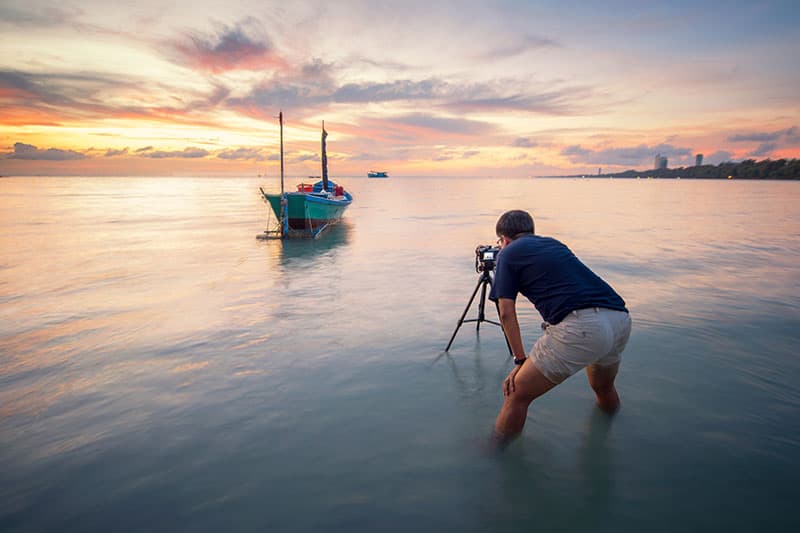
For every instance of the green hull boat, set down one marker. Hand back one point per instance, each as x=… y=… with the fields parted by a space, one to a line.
x=312 y=208
x=308 y=213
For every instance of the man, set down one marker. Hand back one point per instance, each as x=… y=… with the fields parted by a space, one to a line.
x=586 y=322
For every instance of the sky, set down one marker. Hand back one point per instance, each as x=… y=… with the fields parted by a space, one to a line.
x=417 y=88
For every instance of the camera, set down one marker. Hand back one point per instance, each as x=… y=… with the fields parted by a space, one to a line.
x=485 y=257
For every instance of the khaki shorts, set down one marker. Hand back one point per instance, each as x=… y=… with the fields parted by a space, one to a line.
x=593 y=336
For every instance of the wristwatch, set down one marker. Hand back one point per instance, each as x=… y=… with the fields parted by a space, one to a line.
x=519 y=361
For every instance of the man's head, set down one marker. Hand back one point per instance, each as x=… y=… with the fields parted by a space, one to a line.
x=513 y=224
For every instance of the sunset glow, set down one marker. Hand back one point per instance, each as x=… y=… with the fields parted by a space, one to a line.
x=417 y=88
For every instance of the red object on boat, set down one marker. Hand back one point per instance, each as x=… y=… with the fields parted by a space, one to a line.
x=305 y=187
x=338 y=190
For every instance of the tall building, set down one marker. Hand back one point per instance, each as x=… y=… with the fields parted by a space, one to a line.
x=660 y=162
x=698 y=160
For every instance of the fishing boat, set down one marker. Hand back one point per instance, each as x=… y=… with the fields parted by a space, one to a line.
x=313 y=207
x=377 y=174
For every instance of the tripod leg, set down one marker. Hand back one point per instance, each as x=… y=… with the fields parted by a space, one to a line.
x=481 y=304
x=461 y=320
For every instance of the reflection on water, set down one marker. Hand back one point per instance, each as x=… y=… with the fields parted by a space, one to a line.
x=299 y=254
x=530 y=484
x=161 y=368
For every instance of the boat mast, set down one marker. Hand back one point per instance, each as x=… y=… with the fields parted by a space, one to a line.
x=284 y=218
x=324 y=159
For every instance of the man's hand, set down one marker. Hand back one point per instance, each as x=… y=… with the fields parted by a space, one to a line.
x=508 y=383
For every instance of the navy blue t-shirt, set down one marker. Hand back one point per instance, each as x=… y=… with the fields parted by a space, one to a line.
x=547 y=273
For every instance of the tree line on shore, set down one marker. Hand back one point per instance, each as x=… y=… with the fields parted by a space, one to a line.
x=767 y=169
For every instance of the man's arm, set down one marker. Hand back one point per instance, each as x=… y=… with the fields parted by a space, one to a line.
x=508 y=317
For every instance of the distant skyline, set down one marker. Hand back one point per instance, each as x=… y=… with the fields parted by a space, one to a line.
x=508 y=88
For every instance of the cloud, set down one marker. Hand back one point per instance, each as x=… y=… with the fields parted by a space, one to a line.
x=383 y=64
x=217 y=96
x=241 y=154
x=764 y=137
x=767 y=141
x=34 y=99
x=17 y=84
x=576 y=151
x=720 y=156
x=241 y=47
x=54 y=98
x=764 y=149
x=83 y=92
x=32 y=153
x=461 y=126
x=112 y=153
x=523 y=142
x=316 y=69
x=519 y=46
x=388 y=92
x=314 y=88
x=186 y=153
x=36 y=15
x=144 y=149
x=388 y=136
x=264 y=101
x=366 y=156
x=754 y=137
x=444 y=154
x=630 y=155
x=490 y=97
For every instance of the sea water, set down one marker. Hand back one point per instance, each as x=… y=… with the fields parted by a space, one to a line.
x=161 y=369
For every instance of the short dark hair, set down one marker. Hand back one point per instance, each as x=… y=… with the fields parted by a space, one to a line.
x=514 y=223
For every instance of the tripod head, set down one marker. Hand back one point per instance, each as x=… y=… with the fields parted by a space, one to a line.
x=485 y=257
x=486 y=276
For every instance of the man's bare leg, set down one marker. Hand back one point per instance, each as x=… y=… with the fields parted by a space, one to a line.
x=601 y=379
x=529 y=384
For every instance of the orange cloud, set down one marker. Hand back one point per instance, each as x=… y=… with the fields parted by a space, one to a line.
x=16 y=116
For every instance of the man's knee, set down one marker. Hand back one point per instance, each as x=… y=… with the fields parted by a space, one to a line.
x=518 y=399
x=601 y=386
x=601 y=378
x=530 y=383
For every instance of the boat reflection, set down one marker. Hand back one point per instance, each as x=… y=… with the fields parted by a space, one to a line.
x=291 y=255
x=303 y=249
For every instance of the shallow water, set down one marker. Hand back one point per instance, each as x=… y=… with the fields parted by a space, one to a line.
x=162 y=369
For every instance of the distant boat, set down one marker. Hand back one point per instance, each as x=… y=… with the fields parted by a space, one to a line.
x=377 y=174
x=313 y=207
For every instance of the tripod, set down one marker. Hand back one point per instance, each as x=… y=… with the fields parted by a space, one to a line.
x=483 y=280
